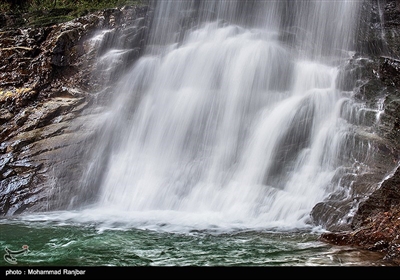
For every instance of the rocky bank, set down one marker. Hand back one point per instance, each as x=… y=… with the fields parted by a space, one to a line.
x=375 y=224
x=50 y=76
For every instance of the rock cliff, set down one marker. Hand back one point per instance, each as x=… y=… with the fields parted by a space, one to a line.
x=375 y=223
x=48 y=78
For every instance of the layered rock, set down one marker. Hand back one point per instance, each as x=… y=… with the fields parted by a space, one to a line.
x=48 y=79
x=375 y=223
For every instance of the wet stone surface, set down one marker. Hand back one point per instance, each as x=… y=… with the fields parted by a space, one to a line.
x=375 y=225
x=48 y=81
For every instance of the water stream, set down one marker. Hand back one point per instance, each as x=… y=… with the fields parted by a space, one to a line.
x=228 y=120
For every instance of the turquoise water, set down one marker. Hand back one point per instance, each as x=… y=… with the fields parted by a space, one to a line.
x=69 y=243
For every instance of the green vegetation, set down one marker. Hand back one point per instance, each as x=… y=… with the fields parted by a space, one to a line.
x=45 y=12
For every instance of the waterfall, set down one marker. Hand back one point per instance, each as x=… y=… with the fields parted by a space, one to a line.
x=232 y=116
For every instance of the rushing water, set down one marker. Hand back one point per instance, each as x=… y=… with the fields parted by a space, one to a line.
x=221 y=140
x=76 y=239
x=230 y=119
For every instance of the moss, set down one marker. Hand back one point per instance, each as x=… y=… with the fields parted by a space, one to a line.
x=48 y=12
x=44 y=17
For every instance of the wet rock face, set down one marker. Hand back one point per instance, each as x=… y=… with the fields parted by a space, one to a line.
x=376 y=221
x=376 y=143
x=48 y=79
x=376 y=225
x=392 y=27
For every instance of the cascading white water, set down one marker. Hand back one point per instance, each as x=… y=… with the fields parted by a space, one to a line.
x=240 y=122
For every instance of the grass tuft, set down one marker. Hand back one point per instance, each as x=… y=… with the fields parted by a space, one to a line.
x=47 y=12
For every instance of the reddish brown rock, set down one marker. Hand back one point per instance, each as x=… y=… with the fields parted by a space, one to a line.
x=376 y=225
